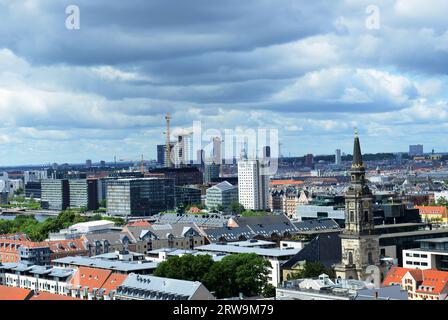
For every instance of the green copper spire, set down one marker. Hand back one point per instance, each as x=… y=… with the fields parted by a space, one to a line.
x=357 y=156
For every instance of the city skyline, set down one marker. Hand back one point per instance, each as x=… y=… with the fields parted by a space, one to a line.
x=318 y=71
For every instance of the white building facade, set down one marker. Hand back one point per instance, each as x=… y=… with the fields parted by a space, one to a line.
x=253 y=186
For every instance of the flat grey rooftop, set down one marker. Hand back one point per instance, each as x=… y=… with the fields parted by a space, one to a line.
x=259 y=251
x=107 y=264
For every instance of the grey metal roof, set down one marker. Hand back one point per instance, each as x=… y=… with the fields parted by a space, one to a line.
x=107 y=264
x=229 y=234
x=223 y=186
x=384 y=293
x=317 y=225
x=414 y=233
x=434 y=240
x=161 y=231
x=113 y=237
x=202 y=220
x=156 y=288
x=259 y=251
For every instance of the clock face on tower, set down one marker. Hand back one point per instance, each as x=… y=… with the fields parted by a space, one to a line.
x=366 y=204
x=351 y=205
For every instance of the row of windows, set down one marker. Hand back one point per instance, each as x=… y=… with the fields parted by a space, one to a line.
x=417 y=255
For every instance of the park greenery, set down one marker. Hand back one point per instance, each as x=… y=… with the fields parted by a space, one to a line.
x=234 y=274
x=38 y=231
x=22 y=203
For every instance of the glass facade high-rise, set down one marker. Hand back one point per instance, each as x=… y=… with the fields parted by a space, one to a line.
x=140 y=197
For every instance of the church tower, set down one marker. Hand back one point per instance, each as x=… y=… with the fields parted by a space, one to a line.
x=360 y=245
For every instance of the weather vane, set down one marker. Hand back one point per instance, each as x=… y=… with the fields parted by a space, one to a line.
x=356 y=131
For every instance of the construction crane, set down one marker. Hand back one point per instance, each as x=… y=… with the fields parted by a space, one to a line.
x=167 y=163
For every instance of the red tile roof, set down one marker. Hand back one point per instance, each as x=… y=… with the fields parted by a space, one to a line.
x=432 y=210
x=285 y=182
x=139 y=223
x=90 y=278
x=114 y=280
x=12 y=293
x=395 y=275
x=59 y=246
x=435 y=280
x=51 y=296
x=428 y=281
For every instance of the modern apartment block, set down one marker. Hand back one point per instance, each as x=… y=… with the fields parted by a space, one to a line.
x=55 y=194
x=83 y=193
x=223 y=194
x=432 y=254
x=253 y=186
x=140 y=196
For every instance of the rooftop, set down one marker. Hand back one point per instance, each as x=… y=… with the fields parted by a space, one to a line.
x=107 y=264
x=259 y=251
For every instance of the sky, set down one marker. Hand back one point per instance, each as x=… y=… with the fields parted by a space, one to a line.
x=313 y=70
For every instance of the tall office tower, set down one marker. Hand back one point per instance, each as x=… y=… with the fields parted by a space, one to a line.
x=338 y=159
x=416 y=150
x=88 y=163
x=200 y=156
x=360 y=245
x=161 y=151
x=217 y=150
x=102 y=164
x=253 y=186
x=180 y=151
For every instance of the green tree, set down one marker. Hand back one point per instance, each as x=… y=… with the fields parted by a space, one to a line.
x=239 y=273
x=103 y=203
x=269 y=291
x=187 y=267
x=236 y=207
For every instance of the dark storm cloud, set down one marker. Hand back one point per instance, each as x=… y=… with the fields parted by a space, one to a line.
x=300 y=66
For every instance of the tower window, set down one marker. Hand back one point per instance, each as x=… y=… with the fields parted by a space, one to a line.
x=352 y=216
x=366 y=216
x=350 y=257
x=370 y=258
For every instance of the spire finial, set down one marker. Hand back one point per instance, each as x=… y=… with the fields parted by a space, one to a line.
x=356 y=131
